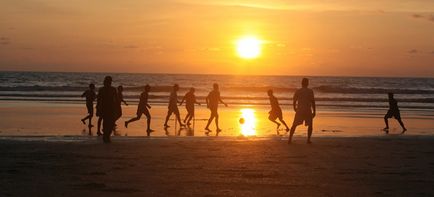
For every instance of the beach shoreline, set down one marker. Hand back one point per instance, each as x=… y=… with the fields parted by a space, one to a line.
x=219 y=166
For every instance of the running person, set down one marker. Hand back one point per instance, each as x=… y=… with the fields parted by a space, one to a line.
x=393 y=112
x=173 y=107
x=190 y=100
x=212 y=101
x=90 y=97
x=276 y=111
x=143 y=108
x=303 y=103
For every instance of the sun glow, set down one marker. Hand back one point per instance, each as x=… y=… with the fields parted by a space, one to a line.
x=248 y=122
x=248 y=47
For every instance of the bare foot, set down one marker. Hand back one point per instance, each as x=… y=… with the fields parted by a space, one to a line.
x=309 y=142
x=278 y=126
x=403 y=131
x=83 y=121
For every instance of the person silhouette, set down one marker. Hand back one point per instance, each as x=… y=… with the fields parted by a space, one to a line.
x=173 y=107
x=143 y=108
x=212 y=101
x=393 y=112
x=303 y=104
x=90 y=97
x=276 y=111
x=190 y=100
x=118 y=111
x=107 y=102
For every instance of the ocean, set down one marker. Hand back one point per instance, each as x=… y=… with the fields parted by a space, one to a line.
x=330 y=92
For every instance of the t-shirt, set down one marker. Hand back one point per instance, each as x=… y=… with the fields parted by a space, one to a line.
x=304 y=98
x=213 y=98
x=274 y=103
x=393 y=105
x=107 y=101
x=190 y=99
x=173 y=100
x=90 y=96
x=143 y=100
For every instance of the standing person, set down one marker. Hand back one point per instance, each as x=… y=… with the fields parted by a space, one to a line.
x=212 y=101
x=107 y=102
x=173 y=107
x=303 y=103
x=393 y=112
x=90 y=97
x=190 y=100
x=143 y=108
x=276 y=111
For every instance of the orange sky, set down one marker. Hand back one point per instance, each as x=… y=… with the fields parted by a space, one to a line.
x=340 y=37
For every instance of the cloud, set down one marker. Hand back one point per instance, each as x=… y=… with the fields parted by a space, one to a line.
x=413 y=51
x=131 y=47
x=429 y=17
x=5 y=40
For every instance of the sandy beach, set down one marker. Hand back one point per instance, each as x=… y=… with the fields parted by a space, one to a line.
x=182 y=166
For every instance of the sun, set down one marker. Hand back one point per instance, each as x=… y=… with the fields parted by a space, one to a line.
x=248 y=47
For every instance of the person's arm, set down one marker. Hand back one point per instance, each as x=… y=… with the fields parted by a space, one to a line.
x=313 y=105
x=221 y=101
x=84 y=94
x=207 y=101
x=182 y=101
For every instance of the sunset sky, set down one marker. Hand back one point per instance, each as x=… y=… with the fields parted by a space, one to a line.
x=309 y=37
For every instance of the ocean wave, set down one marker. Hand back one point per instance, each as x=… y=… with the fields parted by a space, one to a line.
x=320 y=89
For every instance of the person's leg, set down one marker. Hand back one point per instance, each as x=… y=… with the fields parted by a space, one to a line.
x=211 y=118
x=139 y=115
x=291 y=133
x=99 y=126
x=169 y=113
x=274 y=120
x=108 y=124
x=309 y=133
x=186 y=117
x=148 y=121
x=284 y=123
x=178 y=116
x=402 y=125
x=189 y=119
x=217 y=122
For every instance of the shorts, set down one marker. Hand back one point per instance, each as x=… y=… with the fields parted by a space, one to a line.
x=213 y=110
x=274 y=114
x=141 y=111
x=174 y=110
x=301 y=117
x=393 y=113
x=89 y=107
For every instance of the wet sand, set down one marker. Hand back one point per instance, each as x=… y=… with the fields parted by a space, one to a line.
x=218 y=166
x=32 y=118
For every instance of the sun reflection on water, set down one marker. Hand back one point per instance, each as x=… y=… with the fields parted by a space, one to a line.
x=248 y=122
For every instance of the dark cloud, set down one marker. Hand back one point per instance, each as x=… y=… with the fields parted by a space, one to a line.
x=131 y=47
x=429 y=17
x=413 y=51
x=5 y=40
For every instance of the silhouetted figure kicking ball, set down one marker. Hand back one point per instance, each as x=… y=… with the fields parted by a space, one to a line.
x=90 y=97
x=107 y=104
x=212 y=102
x=173 y=107
x=303 y=103
x=190 y=100
x=393 y=112
x=143 y=108
x=276 y=111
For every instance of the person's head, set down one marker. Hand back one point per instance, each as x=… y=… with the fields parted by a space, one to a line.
x=216 y=86
x=147 y=88
x=108 y=81
x=304 y=82
x=120 y=88
x=390 y=95
x=176 y=87
x=192 y=90
x=92 y=86
x=270 y=92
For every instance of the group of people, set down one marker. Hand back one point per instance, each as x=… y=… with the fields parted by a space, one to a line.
x=109 y=110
